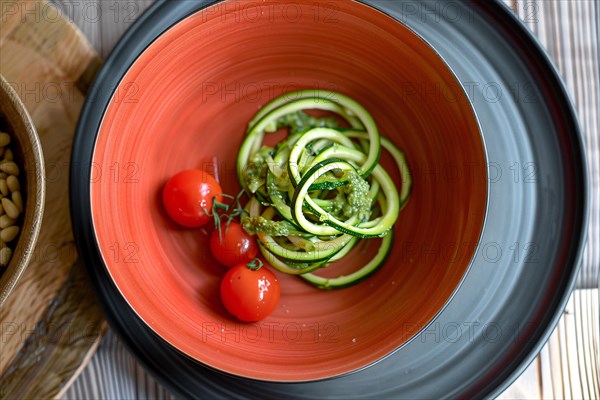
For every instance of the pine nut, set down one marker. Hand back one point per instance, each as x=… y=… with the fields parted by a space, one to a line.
x=5 y=255
x=10 y=208
x=4 y=187
x=13 y=183
x=8 y=155
x=4 y=139
x=6 y=221
x=18 y=200
x=10 y=167
x=8 y=234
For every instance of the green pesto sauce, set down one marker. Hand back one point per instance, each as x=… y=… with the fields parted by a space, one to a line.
x=351 y=199
x=358 y=201
x=256 y=170
x=300 y=121
x=254 y=225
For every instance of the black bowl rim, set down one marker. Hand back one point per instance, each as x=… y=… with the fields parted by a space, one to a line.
x=120 y=60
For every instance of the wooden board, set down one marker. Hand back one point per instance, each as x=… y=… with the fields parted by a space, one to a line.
x=51 y=323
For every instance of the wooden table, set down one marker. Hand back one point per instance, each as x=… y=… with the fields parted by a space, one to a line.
x=568 y=366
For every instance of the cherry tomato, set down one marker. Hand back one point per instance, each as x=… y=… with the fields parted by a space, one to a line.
x=250 y=294
x=234 y=246
x=187 y=194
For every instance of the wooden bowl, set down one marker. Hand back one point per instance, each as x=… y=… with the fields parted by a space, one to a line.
x=186 y=101
x=25 y=143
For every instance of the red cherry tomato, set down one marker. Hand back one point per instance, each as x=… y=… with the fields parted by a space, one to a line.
x=250 y=294
x=187 y=194
x=234 y=246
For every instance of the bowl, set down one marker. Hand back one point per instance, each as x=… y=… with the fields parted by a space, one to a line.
x=185 y=103
x=27 y=151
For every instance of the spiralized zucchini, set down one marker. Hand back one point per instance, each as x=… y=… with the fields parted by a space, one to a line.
x=321 y=190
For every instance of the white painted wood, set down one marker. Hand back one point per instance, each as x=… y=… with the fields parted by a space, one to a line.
x=102 y=21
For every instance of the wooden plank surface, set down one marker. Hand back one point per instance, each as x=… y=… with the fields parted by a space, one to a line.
x=568 y=366
x=102 y=22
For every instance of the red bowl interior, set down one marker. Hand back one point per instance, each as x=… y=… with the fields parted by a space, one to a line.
x=185 y=103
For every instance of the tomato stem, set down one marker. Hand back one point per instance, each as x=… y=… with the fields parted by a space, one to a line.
x=255 y=264
x=219 y=206
x=232 y=210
